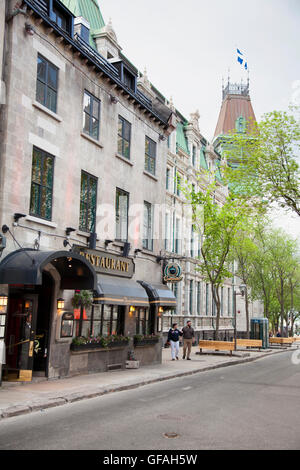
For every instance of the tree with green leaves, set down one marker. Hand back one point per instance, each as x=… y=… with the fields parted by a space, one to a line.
x=243 y=251
x=218 y=225
x=263 y=162
x=283 y=250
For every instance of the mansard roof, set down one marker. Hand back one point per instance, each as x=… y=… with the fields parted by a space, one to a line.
x=236 y=104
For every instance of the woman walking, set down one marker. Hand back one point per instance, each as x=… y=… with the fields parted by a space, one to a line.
x=173 y=339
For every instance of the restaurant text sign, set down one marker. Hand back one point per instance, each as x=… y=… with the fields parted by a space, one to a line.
x=107 y=263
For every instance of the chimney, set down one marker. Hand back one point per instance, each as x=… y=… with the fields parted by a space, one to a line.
x=82 y=28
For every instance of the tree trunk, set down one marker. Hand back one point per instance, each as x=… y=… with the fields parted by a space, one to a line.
x=215 y=294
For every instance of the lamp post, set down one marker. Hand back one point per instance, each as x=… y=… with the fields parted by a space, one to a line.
x=242 y=288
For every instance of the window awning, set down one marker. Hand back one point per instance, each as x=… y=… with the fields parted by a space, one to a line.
x=159 y=294
x=26 y=267
x=119 y=291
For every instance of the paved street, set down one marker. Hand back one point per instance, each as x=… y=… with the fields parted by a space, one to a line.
x=248 y=406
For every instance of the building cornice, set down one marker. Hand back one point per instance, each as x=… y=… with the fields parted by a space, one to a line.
x=100 y=63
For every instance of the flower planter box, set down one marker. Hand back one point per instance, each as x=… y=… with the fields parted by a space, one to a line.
x=132 y=364
x=89 y=346
x=145 y=342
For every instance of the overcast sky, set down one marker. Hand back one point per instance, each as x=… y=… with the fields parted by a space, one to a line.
x=188 y=46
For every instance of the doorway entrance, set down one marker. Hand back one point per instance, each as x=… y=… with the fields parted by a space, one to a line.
x=28 y=331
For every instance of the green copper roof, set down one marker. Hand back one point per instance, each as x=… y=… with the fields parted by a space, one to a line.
x=203 y=162
x=181 y=139
x=88 y=9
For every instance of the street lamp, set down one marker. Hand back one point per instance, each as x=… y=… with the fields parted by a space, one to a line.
x=242 y=292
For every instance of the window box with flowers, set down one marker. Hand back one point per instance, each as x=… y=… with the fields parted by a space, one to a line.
x=99 y=342
x=145 y=340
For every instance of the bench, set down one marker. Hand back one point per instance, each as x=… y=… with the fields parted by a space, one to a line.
x=281 y=341
x=216 y=345
x=249 y=343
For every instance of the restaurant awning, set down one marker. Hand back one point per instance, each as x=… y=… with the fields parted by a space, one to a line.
x=26 y=267
x=120 y=291
x=159 y=294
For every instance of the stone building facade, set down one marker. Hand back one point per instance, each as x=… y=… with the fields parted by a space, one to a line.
x=92 y=157
x=83 y=157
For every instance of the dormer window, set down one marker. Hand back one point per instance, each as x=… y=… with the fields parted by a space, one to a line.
x=61 y=16
x=240 y=125
x=60 y=19
x=129 y=79
x=127 y=76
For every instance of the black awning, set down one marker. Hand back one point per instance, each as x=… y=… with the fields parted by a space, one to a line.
x=159 y=294
x=26 y=266
x=119 y=291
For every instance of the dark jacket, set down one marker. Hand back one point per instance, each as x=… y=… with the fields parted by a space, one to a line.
x=188 y=332
x=174 y=335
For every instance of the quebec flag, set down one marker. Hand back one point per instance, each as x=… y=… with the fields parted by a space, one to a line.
x=241 y=59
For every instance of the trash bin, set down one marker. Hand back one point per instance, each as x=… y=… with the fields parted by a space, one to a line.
x=260 y=330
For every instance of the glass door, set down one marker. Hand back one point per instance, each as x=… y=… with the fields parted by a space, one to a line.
x=28 y=332
x=21 y=336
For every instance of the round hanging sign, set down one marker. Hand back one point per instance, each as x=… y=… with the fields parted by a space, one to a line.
x=173 y=273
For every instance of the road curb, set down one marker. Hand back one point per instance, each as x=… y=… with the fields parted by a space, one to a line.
x=22 y=409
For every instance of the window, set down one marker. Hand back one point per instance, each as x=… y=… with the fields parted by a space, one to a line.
x=207 y=300
x=129 y=80
x=60 y=19
x=167 y=231
x=47 y=83
x=178 y=184
x=240 y=124
x=88 y=202
x=41 y=184
x=59 y=15
x=191 y=303
x=91 y=115
x=194 y=155
x=143 y=324
x=124 y=135
x=168 y=171
x=99 y=320
x=198 y=298
x=177 y=236
x=175 y=289
x=228 y=302
x=122 y=205
x=192 y=242
x=148 y=227
x=222 y=301
x=150 y=156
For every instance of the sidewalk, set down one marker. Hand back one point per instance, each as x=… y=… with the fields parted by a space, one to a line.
x=22 y=398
